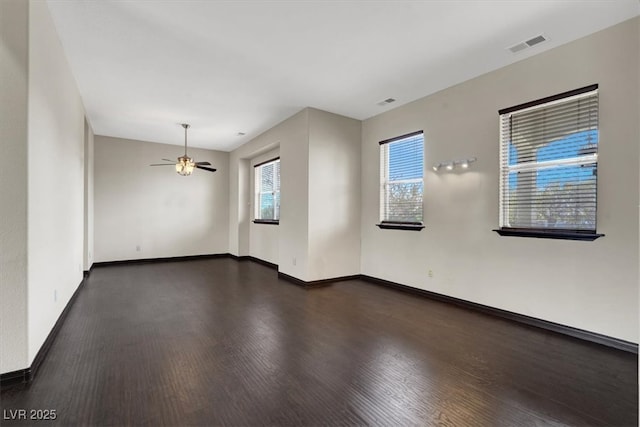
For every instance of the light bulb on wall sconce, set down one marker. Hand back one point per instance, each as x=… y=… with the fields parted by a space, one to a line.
x=450 y=166
x=465 y=163
x=437 y=167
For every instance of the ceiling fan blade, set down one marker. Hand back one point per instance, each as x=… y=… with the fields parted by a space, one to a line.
x=167 y=160
x=163 y=164
x=203 y=163
x=205 y=168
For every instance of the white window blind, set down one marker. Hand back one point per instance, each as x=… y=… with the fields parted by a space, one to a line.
x=401 y=179
x=549 y=163
x=267 y=189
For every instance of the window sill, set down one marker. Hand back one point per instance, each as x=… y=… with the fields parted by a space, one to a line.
x=267 y=221
x=412 y=226
x=549 y=234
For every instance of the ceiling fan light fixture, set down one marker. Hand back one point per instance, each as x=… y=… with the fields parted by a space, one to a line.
x=185 y=166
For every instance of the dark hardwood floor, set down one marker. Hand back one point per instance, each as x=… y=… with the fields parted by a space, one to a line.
x=221 y=342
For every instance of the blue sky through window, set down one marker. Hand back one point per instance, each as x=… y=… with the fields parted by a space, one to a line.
x=568 y=147
x=406 y=160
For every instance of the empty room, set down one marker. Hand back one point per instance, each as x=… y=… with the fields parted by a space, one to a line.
x=304 y=213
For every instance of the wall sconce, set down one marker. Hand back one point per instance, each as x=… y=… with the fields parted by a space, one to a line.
x=452 y=164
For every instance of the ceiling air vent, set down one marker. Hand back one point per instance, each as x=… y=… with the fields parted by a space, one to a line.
x=518 y=47
x=535 y=40
x=527 y=44
x=386 y=101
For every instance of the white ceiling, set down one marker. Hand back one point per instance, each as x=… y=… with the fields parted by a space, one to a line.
x=226 y=67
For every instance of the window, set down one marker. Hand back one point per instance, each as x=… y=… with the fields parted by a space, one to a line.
x=549 y=165
x=401 y=183
x=267 y=188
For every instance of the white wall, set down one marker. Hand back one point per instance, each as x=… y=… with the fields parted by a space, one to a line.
x=294 y=196
x=588 y=285
x=87 y=250
x=334 y=195
x=13 y=184
x=319 y=232
x=153 y=208
x=56 y=179
x=263 y=238
x=291 y=136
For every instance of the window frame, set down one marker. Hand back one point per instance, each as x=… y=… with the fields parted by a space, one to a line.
x=383 y=174
x=541 y=232
x=257 y=184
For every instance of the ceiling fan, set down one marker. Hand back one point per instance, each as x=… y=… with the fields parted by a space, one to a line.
x=185 y=164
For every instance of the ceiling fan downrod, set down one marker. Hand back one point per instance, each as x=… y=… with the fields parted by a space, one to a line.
x=185 y=126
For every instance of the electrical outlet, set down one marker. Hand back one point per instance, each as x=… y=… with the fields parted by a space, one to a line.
x=430 y=273
x=55 y=295
x=294 y=261
x=138 y=248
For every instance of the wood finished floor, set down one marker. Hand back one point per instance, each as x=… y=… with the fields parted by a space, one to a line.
x=221 y=342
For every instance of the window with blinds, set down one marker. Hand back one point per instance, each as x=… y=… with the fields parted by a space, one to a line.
x=549 y=164
x=267 y=189
x=401 y=181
